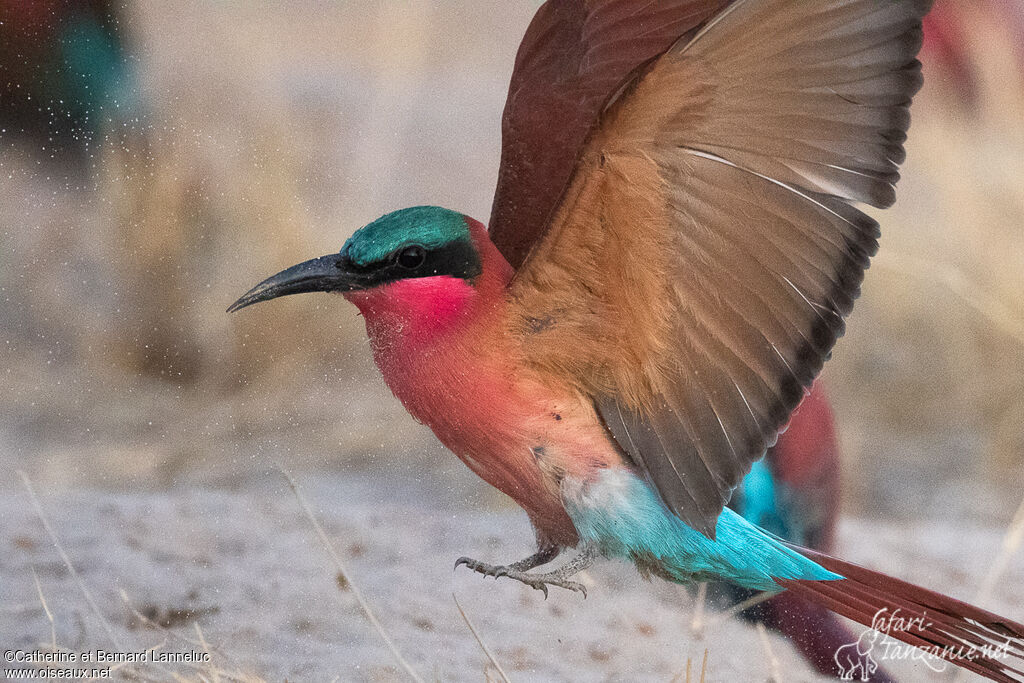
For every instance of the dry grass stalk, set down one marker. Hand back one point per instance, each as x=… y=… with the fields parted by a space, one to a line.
x=67 y=560
x=1012 y=541
x=775 y=667
x=699 y=604
x=728 y=614
x=236 y=676
x=698 y=629
x=994 y=310
x=46 y=609
x=71 y=570
x=343 y=572
x=480 y=641
x=687 y=676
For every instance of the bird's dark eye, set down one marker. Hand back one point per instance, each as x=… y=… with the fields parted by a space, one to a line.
x=412 y=257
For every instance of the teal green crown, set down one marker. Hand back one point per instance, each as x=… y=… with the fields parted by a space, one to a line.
x=428 y=226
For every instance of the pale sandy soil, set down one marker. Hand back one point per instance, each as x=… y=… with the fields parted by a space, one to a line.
x=246 y=567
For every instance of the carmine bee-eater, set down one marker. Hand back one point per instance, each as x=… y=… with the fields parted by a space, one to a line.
x=672 y=252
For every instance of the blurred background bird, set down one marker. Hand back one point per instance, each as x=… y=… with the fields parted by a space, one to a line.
x=795 y=493
x=952 y=33
x=65 y=74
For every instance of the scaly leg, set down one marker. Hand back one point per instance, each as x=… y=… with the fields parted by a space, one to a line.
x=544 y=555
x=519 y=570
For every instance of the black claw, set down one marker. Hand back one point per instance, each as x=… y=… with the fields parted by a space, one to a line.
x=534 y=581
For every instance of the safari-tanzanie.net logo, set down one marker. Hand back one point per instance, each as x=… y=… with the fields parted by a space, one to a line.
x=858 y=661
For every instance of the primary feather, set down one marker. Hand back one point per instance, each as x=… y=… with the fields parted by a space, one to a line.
x=698 y=269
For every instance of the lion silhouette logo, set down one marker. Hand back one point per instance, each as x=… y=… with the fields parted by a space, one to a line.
x=855 y=659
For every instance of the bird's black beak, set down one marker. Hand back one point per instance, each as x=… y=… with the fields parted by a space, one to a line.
x=331 y=273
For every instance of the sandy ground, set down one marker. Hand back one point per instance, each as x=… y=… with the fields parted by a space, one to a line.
x=246 y=567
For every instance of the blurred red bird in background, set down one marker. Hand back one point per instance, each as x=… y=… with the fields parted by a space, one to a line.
x=795 y=492
x=951 y=36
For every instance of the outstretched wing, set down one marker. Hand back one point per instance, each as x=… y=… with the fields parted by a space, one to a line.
x=574 y=57
x=697 y=273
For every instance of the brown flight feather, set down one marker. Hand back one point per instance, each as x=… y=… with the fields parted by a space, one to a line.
x=702 y=260
x=575 y=56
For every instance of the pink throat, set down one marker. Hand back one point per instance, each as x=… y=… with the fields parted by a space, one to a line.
x=416 y=311
x=409 y=315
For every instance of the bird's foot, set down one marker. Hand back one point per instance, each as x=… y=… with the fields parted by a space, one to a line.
x=479 y=567
x=536 y=581
x=518 y=571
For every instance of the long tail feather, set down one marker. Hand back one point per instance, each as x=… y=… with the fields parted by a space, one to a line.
x=962 y=634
